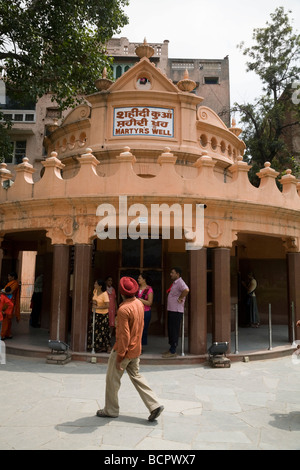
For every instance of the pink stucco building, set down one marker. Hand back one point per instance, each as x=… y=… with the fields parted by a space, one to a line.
x=150 y=142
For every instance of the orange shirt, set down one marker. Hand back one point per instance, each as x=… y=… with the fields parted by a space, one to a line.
x=129 y=329
x=101 y=299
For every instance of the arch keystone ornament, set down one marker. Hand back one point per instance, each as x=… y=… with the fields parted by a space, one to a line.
x=213 y=229
x=291 y=245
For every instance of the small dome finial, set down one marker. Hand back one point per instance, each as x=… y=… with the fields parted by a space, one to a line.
x=144 y=50
x=186 y=84
x=103 y=83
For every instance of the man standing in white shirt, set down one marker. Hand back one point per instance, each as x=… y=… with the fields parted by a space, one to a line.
x=176 y=300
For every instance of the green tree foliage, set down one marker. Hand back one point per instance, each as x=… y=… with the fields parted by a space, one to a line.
x=274 y=57
x=5 y=144
x=56 y=46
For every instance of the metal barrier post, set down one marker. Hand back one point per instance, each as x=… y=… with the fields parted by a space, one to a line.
x=93 y=348
x=293 y=324
x=270 y=328
x=2 y=352
x=236 y=330
x=182 y=336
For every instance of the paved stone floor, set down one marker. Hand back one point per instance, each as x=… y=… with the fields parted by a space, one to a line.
x=249 y=406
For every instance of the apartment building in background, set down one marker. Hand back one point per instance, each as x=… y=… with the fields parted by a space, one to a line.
x=32 y=121
x=210 y=75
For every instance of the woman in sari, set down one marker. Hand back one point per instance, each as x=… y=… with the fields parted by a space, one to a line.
x=15 y=291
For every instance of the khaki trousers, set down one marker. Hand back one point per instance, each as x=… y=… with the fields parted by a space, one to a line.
x=113 y=383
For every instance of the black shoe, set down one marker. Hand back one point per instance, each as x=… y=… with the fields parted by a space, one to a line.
x=155 y=413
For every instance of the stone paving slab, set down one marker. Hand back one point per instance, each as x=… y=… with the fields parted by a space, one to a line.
x=250 y=406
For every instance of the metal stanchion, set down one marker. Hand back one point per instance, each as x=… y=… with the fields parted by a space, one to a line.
x=293 y=325
x=236 y=330
x=2 y=352
x=270 y=328
x=93 y=348
x=182 y=336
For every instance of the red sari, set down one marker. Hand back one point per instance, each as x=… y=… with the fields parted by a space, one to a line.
x=7 y=321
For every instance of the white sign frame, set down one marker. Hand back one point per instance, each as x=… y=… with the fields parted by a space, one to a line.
x=145 y=121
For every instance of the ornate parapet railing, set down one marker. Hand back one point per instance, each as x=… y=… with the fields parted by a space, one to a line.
x=231 y=207
x=167 y=182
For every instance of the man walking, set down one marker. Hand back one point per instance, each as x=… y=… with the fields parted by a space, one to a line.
x=175 y=306
x=126 y=352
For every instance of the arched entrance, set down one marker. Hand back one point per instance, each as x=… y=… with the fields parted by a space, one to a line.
x=269 y=259
x=154 y=257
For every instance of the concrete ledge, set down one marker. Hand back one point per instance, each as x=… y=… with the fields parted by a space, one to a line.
x=153 y=359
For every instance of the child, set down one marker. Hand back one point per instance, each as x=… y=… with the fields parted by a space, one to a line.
x=6 y=305
x=7 y=291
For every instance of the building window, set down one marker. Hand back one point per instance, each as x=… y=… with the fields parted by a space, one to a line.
x=125 y=49
x=158 y=50
x=7 y=117
x=143 y=83
x=53 y=113
x=18 y=116
x=118 y=71
x=29 y=117
x=18 y=152
x=211 y=80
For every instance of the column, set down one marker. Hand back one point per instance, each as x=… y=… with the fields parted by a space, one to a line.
x=221 y=295
x=293 y=282
x=198 y=302
x=81 y=296
x=60 y=293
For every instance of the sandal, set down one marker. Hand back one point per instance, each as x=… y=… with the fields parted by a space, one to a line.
x=102 y=414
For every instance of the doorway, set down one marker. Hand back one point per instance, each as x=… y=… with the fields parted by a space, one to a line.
x=145 y=256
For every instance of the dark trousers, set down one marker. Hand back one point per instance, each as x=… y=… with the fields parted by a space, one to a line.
x=36 y=309
x=147 y=318
x=174 y=322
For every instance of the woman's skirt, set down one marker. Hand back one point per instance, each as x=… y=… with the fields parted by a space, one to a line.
x=101 y=333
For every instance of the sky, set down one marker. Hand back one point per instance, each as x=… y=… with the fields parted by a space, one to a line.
x=207 y=29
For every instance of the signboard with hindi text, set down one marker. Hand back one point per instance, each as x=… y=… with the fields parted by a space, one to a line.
x=144 y=121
